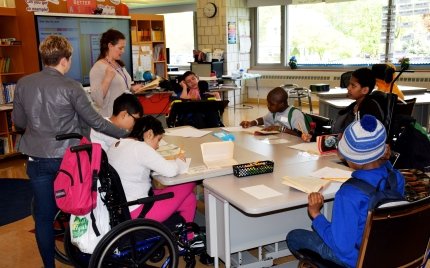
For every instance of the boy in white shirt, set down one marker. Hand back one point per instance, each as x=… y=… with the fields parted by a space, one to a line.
x=126 y=109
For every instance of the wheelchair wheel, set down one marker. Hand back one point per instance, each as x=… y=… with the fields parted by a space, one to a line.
x=136 y=243
x=61 y=223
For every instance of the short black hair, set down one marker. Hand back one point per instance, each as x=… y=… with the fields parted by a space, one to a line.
x=144 y=124
x=383 y=71
x=278 y=95
x=127 y=102
x=365 y=78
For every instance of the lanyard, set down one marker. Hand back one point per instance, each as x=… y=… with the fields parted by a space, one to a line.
x=120 y=71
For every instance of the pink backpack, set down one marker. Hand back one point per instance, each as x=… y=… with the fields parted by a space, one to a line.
x=75 y=186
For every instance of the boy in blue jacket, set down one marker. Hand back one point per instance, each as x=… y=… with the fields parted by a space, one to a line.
x=364 y=149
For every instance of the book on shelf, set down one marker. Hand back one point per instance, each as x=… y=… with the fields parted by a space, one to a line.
x=4 y=145
x=305 y=184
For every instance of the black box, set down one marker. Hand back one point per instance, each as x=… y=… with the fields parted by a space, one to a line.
x=319 y=87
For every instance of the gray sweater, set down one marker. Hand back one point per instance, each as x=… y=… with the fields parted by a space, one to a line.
x=48 y=103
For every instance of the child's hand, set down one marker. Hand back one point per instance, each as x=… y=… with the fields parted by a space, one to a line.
x=306 y=137
x=183 y=84
x=181 y=156
x=316 y=201
x=246 y=124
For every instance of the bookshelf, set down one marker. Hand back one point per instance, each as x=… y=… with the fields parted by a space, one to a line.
x=11 y=61
x=149 y=43
x=11 y=69
x=8 y=135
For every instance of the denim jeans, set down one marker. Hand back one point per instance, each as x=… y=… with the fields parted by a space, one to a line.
x=41 y=172
x=305 y=239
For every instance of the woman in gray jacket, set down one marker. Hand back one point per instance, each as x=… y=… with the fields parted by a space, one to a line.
x=46 y=104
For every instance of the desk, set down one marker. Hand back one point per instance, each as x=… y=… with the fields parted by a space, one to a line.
x=246 y=76
x=341 y=92
x=236 y=221
x=330 y=107
x=176 y=74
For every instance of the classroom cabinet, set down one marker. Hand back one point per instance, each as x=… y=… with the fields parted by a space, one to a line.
x=148 y=44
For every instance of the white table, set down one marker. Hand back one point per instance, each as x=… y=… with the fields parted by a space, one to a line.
x=341 y=92
x=330 y=107
x=237 y=221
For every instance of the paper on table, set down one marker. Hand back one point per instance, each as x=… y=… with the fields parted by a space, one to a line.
x=266 y=132
x=274 y=141
x=186 y=132
x=333 y=174
x=305 y=184
x=310 y=147
x=261 y=191
x=239 y=128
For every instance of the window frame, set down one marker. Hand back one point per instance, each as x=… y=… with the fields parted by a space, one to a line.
x=283 y=65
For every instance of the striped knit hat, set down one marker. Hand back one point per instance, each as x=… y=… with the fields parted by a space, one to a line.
x=363 y=141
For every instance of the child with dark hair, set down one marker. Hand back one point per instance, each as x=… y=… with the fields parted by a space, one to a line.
x=360 y=86
x=364 y=149
x=135 y=157
x=384 y=74
x=193 y=89
x=126 y=109
x=278 y=117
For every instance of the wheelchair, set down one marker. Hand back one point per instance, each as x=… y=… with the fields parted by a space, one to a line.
x=131 y=243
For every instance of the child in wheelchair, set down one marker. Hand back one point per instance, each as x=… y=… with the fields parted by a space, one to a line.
x=125 y=177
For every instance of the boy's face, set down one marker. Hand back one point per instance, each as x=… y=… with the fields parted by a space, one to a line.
x=276 y=106
x=355 y=90
x=127 y=120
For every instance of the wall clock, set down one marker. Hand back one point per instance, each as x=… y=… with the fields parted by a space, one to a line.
x=210 y=9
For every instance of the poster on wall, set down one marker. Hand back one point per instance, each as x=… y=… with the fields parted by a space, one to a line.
x=231 y=35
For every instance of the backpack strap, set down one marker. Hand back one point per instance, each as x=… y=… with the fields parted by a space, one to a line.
x=307 y=119
x=96 y=156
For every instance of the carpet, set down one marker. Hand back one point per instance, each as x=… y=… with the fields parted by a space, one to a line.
x=15 y=200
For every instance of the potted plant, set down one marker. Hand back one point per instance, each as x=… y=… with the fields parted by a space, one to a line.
x=404 y=63
x=293 y=62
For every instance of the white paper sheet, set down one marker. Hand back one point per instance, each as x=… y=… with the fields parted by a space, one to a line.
x=310 y=147
x=261 y=191
x=274 y=141
x=239 y=129
x=335 y=174
x=186 y=132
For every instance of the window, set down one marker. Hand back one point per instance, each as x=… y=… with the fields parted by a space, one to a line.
x=180 y=37
x=345 y=32
x=269 y=34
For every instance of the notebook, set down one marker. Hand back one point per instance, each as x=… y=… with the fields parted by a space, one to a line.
x=305 y=184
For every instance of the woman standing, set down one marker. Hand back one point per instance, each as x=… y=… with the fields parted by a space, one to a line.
x=108 y=76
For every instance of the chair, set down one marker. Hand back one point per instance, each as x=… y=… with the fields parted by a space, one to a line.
x=199 y=114
x=296 y=92
x=323 y=124
x=394 y=236
x=344 y=79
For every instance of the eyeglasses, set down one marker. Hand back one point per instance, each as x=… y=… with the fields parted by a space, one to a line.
x=135 y=118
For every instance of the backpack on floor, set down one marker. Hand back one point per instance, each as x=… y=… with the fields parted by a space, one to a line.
x=75 y=185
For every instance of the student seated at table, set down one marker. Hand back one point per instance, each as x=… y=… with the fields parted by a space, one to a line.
x=135 y=157
x=195 y=90
x=360 y=86
x=126 y=110
x=364 y=149
x=384 y=74
x=278 y=116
